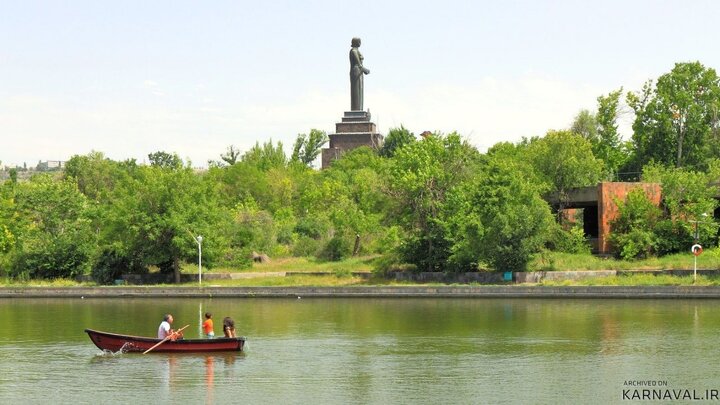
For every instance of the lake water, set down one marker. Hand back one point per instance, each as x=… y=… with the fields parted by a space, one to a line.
x=377 y=351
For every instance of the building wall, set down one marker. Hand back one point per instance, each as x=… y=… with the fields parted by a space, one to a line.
x=608 y=196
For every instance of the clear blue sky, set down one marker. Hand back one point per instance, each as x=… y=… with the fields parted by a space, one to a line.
x=128 y=78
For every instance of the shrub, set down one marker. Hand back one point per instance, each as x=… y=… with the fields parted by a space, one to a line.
x=305 y=246
x=636 y=244
x=389 y=241
x=337 y=248
x=52 y=257
x=391 y=261
x=570 y=241
x=672 y=237
x=632 y=231
x=111 y=264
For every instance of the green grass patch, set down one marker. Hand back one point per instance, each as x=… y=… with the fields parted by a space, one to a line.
x=294 y=264
x=289 y=281
x=638 y=280
x=555 y=261
x=60 y=282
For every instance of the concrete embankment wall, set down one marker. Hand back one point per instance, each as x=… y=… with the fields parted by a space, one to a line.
x=368 y=292
x=485 y=277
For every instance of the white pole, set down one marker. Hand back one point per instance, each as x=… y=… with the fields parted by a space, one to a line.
x=695 y=270
x=199 y=242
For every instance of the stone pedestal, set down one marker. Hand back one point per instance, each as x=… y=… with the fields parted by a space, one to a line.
x=354 y=131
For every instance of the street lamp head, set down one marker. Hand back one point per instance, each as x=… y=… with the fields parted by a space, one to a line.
x=199 y=238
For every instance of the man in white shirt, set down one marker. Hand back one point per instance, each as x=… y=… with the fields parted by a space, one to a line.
x=164 y=330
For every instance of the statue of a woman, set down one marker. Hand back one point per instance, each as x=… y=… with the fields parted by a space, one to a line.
x=357 y=70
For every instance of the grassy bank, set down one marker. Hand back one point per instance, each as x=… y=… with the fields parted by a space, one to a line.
x=340 y=273
x=296 y=265
x=639 y=280
x=710 y=259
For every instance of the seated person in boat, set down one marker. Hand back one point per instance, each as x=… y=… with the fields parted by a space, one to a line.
x=229 y=327
x=207 y=326
x=165 y=330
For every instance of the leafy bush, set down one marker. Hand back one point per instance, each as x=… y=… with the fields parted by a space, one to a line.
x=312 y=226
x=512 y=220
x=305 y=246
x=52 y=257
x=569 y=241
x=388 y=242
x=672 y=237
x=240 y=258
x=111 y=264
x=632 y=231
x=635 y=244
x=389 y=262
x=337 y=248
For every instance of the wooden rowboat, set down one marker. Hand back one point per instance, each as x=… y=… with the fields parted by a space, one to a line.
x=127 y=343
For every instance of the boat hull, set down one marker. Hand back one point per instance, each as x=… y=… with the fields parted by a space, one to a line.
x=127 y=343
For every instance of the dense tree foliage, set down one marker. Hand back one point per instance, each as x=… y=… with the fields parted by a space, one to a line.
x=52 y=236
x=396 y=139
x=563 y=160
x=421 y=177
x=308 y=147
x=433 y=204
x=633 y=235
x=676 y=121
x=509 y=220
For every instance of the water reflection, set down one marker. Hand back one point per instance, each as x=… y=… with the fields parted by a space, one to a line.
x=610 y=334
x=209 y=378
x=364 y=350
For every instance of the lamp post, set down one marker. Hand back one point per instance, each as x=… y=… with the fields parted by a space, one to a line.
x=696 y=249
x=199 y=240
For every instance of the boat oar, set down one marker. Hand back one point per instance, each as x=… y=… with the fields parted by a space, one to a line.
x=165 y=340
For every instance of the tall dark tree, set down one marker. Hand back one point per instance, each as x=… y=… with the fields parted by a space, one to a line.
x=609 y=146
x=165 y=160
x=396 y=139
x=231 y=155
x=676 y=121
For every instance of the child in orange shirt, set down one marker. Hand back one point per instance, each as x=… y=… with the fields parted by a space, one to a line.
x=207 y=326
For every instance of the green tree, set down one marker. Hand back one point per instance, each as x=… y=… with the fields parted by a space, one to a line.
x=585 y=125
x=632 y=231
x=609 y=146
x=267 y=156
x=8 y=224
x=687 y=196
x=421 y=176
x=165 y=160
x=94 y=174
x=350 y=195
x=507 y=221
x=53 y=234
x=231 y=155
x=563 y=160
x=308 y=147
x=396 y=139
x=676 y=122
x=156 y=212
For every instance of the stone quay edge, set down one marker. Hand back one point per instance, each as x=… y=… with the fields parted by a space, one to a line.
x=650 y=292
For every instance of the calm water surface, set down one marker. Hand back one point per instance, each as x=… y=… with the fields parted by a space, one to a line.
x=337 y=351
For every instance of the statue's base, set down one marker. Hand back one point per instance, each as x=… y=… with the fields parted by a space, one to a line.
x=354 y=131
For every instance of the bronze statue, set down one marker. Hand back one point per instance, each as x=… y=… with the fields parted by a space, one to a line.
x=357 y=70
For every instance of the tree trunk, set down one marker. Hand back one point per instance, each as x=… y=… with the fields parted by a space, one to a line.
x=356 y=249
x=681 y=135
x=176 y=269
